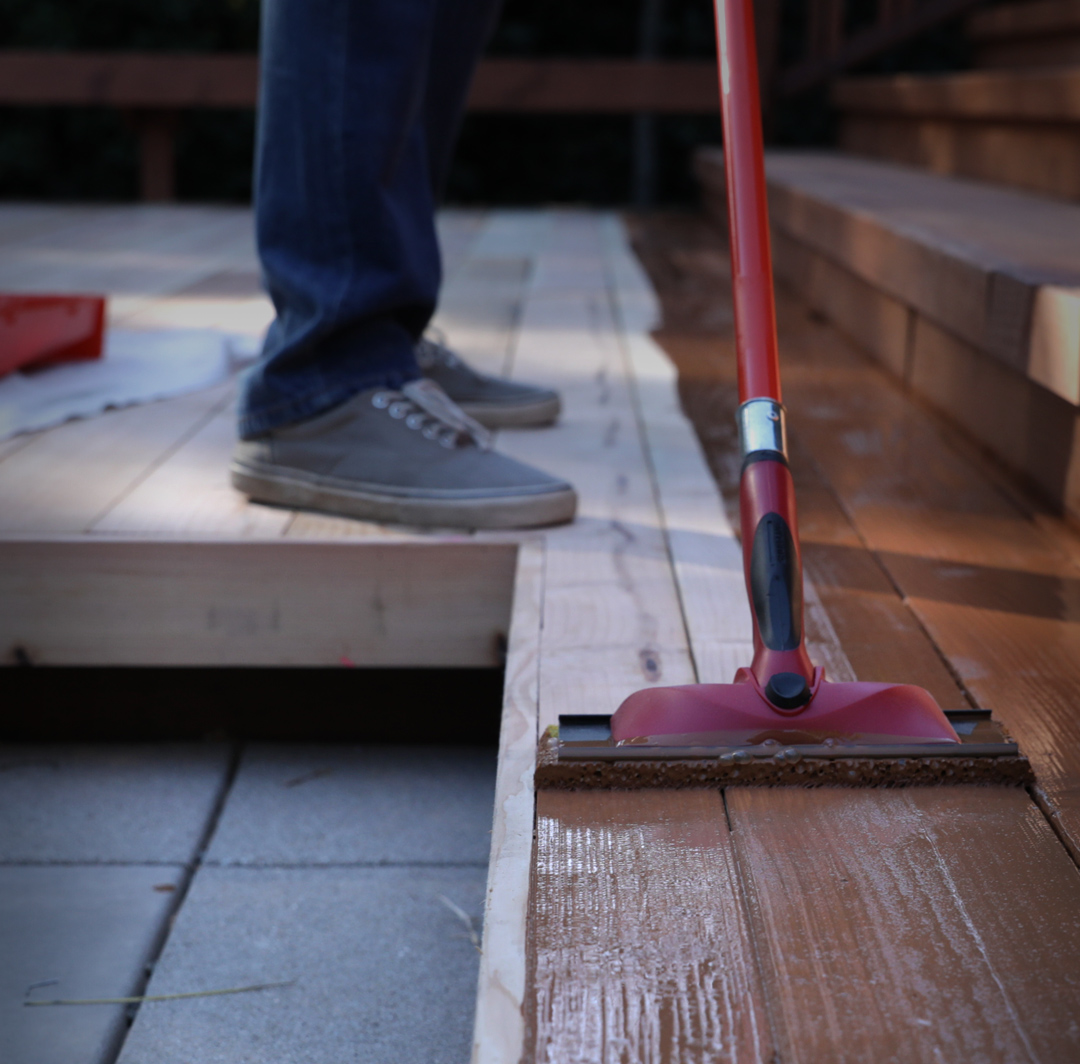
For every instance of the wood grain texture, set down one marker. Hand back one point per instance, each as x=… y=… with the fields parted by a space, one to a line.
x=994 y=591
x=65 y=478
x=970 y=257
x=499 y=1029
x=639 y=948
x=909 y=926
x=612 y=621
x=89 y=601
x=189 y=493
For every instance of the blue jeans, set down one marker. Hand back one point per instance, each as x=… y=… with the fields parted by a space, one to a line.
x=359 y=109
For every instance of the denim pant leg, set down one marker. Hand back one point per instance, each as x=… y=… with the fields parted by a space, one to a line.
x=344 y=192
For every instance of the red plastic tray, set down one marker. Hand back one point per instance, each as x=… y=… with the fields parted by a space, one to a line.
x=36 y=330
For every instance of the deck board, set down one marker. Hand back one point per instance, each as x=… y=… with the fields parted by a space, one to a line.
x=995 y=593
x=65 y=478
x=640 y=948
x=912 y=925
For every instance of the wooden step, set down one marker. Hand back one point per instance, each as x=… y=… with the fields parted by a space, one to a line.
x=970 y=294
x=1039 y=34
x=1016 y=127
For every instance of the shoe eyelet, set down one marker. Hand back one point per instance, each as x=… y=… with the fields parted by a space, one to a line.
x=398 y=410
x=430 y=432
x=449 y=441
x=415 y=421
x=381 y=400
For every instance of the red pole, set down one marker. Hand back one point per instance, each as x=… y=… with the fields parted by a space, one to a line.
x=748 y=218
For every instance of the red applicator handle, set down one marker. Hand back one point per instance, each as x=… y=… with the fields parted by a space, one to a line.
x=772 y=561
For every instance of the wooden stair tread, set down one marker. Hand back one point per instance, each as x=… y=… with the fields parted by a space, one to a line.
x=995 y=268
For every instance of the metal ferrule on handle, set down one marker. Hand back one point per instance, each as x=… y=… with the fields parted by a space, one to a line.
x=762 y=428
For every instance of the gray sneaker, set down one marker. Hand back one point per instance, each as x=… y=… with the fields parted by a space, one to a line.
x=410 y=457
x=493 y=401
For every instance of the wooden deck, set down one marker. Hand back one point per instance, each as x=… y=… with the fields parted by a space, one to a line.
x=751 y=925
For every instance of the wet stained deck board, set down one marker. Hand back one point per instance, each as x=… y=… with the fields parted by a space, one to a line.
x=996 y=592
x=951 y=895
x=912 y=925
x=987 y=575
x=639 y=948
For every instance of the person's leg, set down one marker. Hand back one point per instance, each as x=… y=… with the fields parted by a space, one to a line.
x=333 y=417
x=344 y=205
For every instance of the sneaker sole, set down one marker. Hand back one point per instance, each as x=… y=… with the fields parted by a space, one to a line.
x=283 y=487
x=517 y=416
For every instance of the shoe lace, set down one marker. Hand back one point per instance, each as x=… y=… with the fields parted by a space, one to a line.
x=431 y=350
x=424 y=406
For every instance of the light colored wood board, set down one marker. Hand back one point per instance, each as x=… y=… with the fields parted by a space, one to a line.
x=66 y=477
x=14 y=443
x=109 y=602
x=1054 y=346
x=639 y=946
x=613 y=623
x=717 y=662
x=702 y=543
x=21 y=222
x=608 y=586
x=190 y=494
x=125 y=251
x=597 y=680
x=135 y=255
x=247 y=316
x=479 y=310
x=499 y=1031
x=509 y=233
x=457 y=228
x=305 y=525
x=912 y=925
x=703 y=546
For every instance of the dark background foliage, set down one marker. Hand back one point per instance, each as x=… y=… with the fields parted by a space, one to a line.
x=90 y=154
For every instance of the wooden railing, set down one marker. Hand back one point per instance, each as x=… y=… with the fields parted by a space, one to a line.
x=152 y=88
x=831 y=47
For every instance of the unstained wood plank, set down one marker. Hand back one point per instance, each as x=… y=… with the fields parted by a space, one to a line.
x=65 y=478
x=499 y=1030
x=104 y=601
x=190 y=493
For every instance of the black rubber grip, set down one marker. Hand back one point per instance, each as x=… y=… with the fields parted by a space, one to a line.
x=774 y=584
